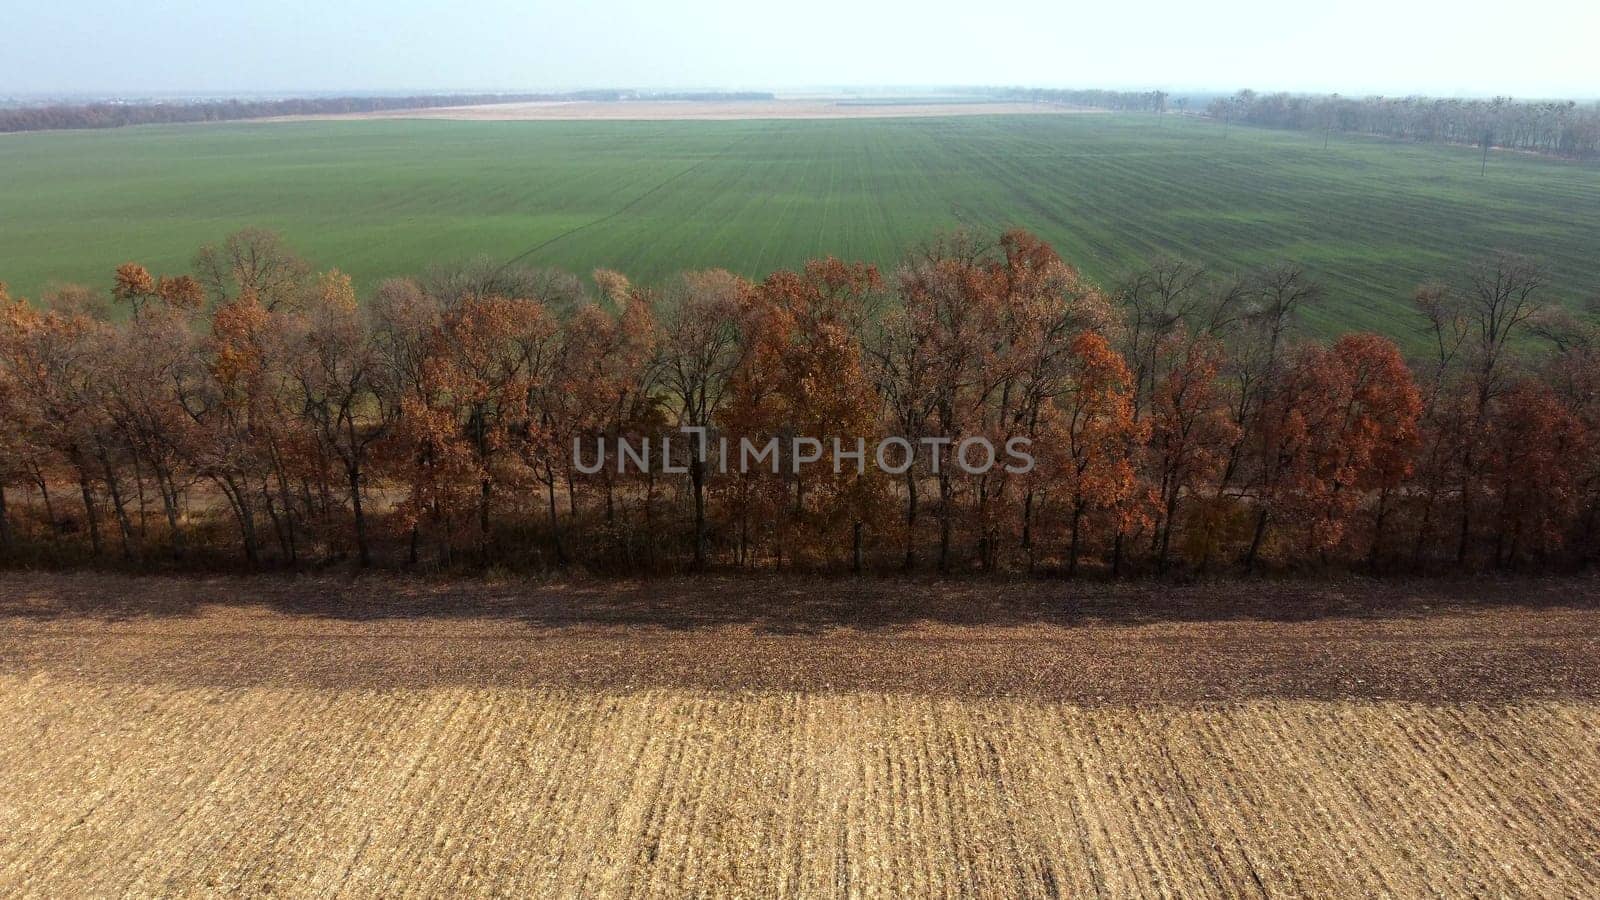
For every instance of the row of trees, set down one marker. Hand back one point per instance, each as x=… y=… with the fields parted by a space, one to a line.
x=1561 y=128
x=1120 y=101
x=254 y=410
x=42 y=117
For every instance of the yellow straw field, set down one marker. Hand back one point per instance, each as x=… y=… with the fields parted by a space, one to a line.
x=205 y=777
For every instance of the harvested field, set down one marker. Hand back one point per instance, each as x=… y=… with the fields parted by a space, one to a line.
x=320 y=736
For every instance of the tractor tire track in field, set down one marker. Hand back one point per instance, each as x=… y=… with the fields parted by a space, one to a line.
x=724 y=152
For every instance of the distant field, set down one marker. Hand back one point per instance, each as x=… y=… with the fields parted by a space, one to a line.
x=380 y=198
x=330 y=737
x=709 y=110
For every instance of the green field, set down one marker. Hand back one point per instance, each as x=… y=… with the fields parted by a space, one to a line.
x=380 y=198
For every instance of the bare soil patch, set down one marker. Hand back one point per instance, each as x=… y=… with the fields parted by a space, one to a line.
x=1422 y=641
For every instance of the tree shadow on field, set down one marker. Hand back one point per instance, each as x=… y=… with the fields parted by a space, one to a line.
x=775 y=605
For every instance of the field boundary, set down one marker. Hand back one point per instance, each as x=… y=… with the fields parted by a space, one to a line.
x=1497 y=642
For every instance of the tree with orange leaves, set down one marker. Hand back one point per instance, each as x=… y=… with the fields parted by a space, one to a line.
x=1089 y=432
x=226 y=395
x=149 y=356
x=1476 y=325
x=478 y=384
x=933 y=362
x=1364 y=435
x=612 y=367
x=583 y=393
x=335 y=366
x=1573 y=373
x=755 y=496
x=1044 y=311
x=699 y=351
x=1340 y=426
x=901 y=358
x=1191 y=430
x=133 y=285
x=426 y=448
x=15 y=429
x=287 y=390
x=52 y=365
x=1529 y=473
x=802 y=375
x=552 y=418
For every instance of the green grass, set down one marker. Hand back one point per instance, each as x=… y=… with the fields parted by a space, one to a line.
x=380 y=198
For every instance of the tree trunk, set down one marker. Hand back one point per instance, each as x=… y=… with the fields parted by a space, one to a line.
x=855 y=540
x=1166 y=530
x=744 y=535
x=555 y=521
x=985 y=537
x=650 y=515
x=89 y=512
x=1374 y=556
x=247 y=522
x=286 y=544
x=1589 y=548
x=911 y=521
x=286 y=525
x=697 y=477
x=5 y=522
x=1423 y=528
x=49 y=505
x=484 y=490
x=1516 y=547
x=363 y=551
x=447 y=556
x=124 y=526
x=1255 y=541
x=1072 y=553
x=1027 y=522
x=169 y=505
x=1163 y=515
x=944 y=522
x=138 y=485
x=1465 y=539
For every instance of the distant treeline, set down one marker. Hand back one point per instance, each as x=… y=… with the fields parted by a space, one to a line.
x=1121 y=101
x=115 y=115
x=1557 y=127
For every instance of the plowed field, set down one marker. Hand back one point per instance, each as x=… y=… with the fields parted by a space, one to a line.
x=318 y=737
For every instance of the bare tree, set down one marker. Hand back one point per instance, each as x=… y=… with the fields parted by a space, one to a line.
x=253 y=261
x=481 y=278
x=699 y=350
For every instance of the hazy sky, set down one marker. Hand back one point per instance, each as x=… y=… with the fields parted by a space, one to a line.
x=1528 y=48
